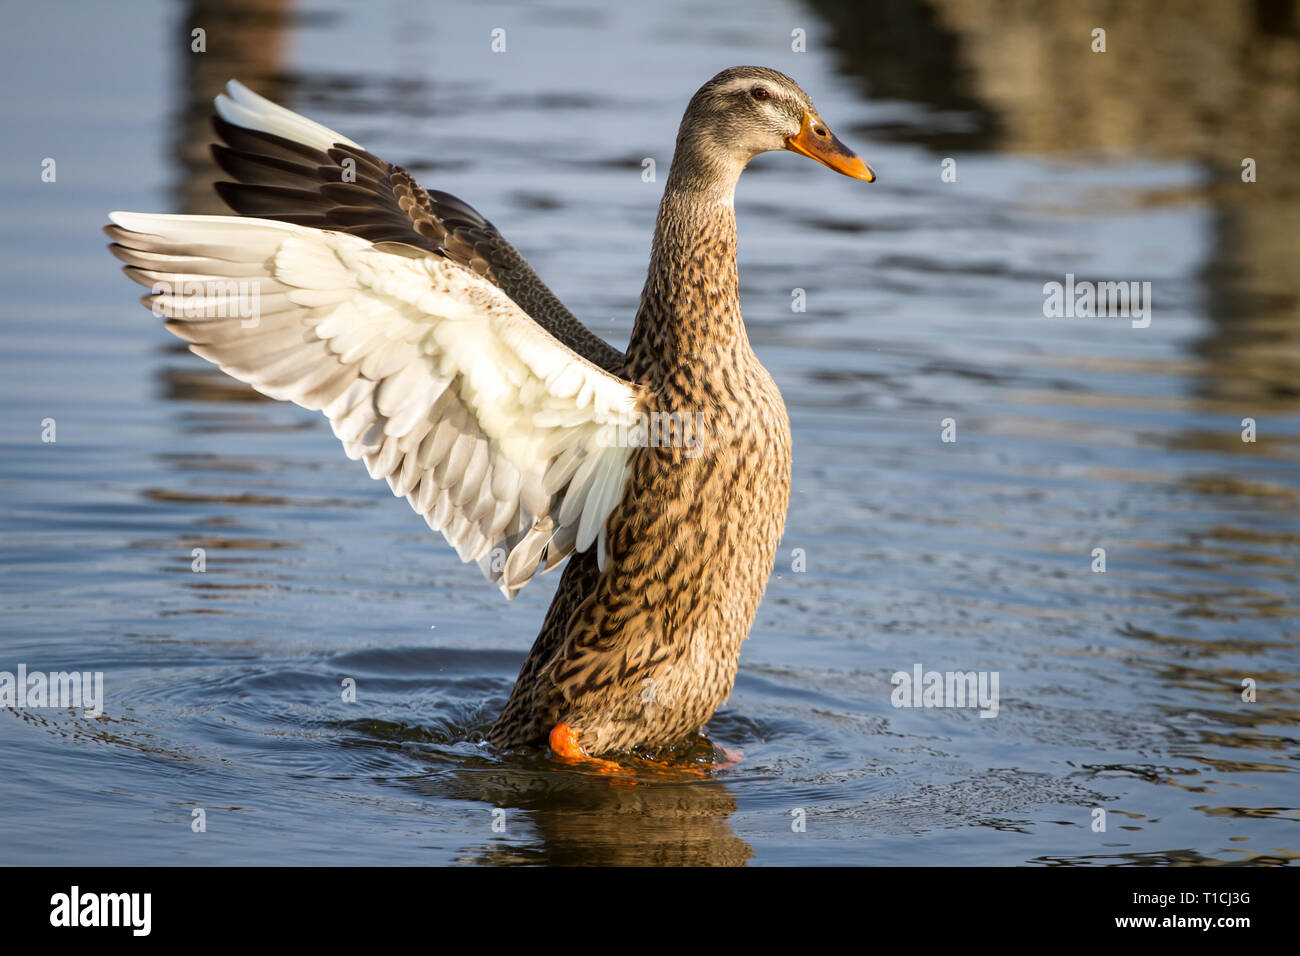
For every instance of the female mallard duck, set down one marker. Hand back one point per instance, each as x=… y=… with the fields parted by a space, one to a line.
x=442 y=359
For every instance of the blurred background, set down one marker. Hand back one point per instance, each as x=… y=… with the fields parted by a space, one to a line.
x=1120 y=690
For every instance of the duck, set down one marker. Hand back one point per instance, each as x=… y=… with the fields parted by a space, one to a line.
x=659 y=477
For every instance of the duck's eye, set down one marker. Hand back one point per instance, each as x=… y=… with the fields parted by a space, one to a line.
x=759 y=93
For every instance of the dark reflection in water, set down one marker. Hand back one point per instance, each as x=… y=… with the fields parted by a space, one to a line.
x=242 y=38
x=1121 y=691
x=580 y=820
x=1209 y=84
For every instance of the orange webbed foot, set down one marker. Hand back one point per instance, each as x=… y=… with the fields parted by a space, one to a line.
x=564 y=743
x=724 y=759
x=565 y=746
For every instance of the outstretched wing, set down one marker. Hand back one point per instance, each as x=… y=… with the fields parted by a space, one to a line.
x=294 y=170
x=496 y=432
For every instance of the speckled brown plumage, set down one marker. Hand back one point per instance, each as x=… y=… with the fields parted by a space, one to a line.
x=644 y=653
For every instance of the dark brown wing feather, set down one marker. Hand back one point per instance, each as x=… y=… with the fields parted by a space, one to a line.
x=279 y=179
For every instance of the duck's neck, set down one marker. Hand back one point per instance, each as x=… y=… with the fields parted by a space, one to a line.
x=690 y=306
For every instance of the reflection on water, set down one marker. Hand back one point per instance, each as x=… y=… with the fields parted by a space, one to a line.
x=578 y=820
x=1121 y=690
x=1204 y=84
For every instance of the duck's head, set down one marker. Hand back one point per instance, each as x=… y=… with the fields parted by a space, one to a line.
x=748 y=110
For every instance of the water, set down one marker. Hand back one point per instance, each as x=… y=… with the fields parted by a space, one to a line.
x=1118 y=690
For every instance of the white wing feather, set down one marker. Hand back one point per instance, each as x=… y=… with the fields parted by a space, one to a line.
x=493 y=430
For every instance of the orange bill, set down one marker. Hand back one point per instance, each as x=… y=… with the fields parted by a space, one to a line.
x=817 y=142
